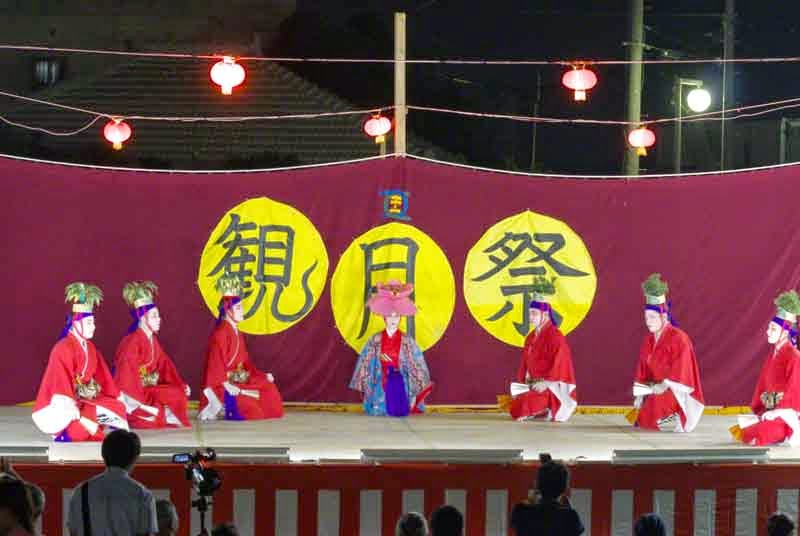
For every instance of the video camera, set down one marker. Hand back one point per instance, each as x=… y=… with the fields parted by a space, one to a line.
x=205 y=480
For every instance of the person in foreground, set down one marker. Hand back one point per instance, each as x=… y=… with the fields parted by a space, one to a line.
x=545 y=386
x=391 y=373
x=155 y=394
x=112 y=502
x=233 y=388
x=548 y=512
x=776 y=399
x=78 y=396
x=667 y=392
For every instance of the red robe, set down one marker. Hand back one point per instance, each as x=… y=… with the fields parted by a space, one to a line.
x=58 y=406
x=546 y=357
x=226 y=353
x=672 y=358
x=137 y=358
x=781 y=374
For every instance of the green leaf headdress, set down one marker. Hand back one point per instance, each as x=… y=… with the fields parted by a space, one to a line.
x=788 y=305
x=83 y=297
x=655 y=290
x=543 y=289
x=229 y=285
x=139 y=293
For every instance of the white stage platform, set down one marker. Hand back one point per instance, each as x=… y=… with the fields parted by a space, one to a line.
x=313 y=436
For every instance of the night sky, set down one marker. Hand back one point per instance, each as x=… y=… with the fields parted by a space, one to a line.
x=563 y=29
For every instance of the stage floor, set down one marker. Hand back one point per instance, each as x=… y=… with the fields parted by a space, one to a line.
x=335 y=436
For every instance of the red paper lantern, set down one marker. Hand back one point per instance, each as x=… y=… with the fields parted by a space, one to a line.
x=579 y=80
x=117 y=132
x=641 y=139
x=227 y=74
x=377 y=126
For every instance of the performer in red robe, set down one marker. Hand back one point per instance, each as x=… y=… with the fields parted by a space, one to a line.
x=144 y=372
x=233 y=388
x=545 y=387
x=667 y=391
x=77 y=396
x=776 y=399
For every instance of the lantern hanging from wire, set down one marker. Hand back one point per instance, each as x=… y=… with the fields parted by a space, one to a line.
x=227 y=74
x=117 y=132
x=641 y=139
x=580 y=80
x=377 y=127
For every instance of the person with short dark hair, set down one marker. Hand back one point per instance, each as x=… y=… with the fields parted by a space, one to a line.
x=16 y=517
x=549 y=512
x=225 y=529
x=112 y=502
x=650 y=525
x=411 y=524
x=167 y=518
x=780 y=524
x=447 y=521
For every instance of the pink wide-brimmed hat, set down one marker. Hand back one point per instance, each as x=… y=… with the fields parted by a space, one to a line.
x=393 y=297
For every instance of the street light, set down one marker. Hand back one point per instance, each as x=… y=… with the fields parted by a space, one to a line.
x=698 y=100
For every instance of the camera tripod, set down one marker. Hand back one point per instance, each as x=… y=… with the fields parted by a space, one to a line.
x=201 y=503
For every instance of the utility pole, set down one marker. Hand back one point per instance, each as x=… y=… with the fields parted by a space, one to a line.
x=633 y=110
x=728 y=79
x=400 y=109
x=536 y=102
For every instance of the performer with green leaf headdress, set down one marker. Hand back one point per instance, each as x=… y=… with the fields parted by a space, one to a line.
x=666 y=390
x=77 y=395
x=776 y=399
x=233 y=388
x=155 y=394
x=545 y=386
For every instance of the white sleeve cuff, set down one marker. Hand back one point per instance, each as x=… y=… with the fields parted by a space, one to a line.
x=231 y=389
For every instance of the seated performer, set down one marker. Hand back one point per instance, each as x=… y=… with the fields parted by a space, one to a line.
x=776 y=399
x=154 y=392
x=667 y=392
x=77 y=394
x=232 y=386
x=391 y=372
x=545 y=387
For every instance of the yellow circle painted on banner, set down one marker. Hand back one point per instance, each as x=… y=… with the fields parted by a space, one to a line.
x=279 y=255
x=501 y=266
x=404 y=253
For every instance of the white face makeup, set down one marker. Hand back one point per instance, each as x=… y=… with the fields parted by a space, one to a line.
x=392 y=323
x=85 y=327
x=774 y=332
x=236 y=313
x=152 y=320
x=537 y=317
x=654 y=320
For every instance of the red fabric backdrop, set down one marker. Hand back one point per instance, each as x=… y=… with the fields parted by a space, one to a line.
x=726 y=243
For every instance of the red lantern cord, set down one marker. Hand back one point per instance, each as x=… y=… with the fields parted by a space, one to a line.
x=377 y=126
x=117 y=132
x=580 y=80
x=641 y=139
x=227 y=74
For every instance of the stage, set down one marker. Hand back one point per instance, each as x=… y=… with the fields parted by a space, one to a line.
x=331 y=436
x=323 y=487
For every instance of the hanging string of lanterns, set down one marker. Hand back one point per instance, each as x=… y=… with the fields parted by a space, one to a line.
x=228 y=74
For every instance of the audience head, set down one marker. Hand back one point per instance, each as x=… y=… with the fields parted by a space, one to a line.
x=225 y=529
x=121 y=448
x=780 y=524
x=552 y=479
x=411 y=524
x=650 y=525
x=15 y=506
x=447 y=521
x=167 y=518
x=37 y=500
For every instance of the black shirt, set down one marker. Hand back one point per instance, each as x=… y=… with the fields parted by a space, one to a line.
x=546 y=518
